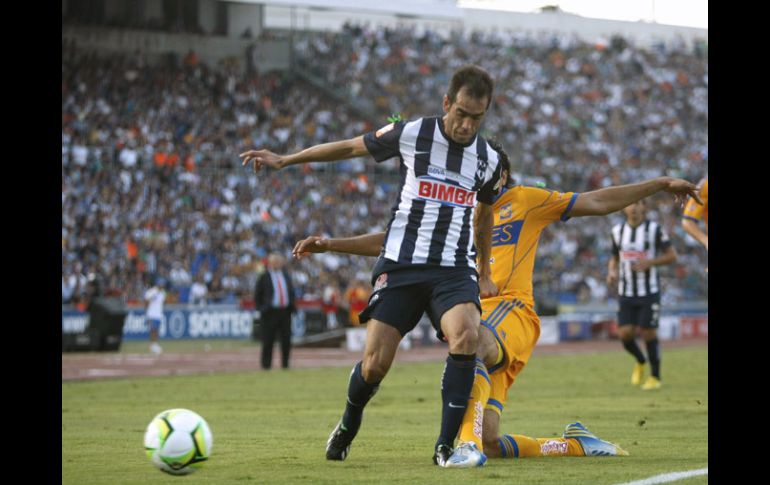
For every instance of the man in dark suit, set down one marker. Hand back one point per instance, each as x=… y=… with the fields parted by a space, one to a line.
x=274 y=298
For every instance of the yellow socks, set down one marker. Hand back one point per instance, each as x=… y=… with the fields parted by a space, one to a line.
x=471 y=427
x=519 y=446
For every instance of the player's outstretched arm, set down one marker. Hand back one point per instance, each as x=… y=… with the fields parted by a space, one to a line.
x=610 y=199
x=363 y=245
x=326 y=152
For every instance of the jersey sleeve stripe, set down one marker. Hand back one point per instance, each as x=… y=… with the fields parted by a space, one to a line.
x=565 y=215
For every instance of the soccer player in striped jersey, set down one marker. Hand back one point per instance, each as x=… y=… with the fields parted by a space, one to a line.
x=510 y=327
x=449 y=178
x=639 y=246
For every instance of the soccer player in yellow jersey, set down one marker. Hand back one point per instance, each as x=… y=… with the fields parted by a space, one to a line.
x=694 y=213
x=510 y=327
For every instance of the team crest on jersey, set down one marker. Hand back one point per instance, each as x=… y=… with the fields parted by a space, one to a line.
x=382 y=282
x=506 y=211
x=481 y=170
x=384 y=130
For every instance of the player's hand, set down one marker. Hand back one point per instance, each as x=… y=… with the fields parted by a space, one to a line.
x=682 y=189
x=307 y=246
x=262 y=158
x=487 y=287
x=641 y=265
x=612 y=279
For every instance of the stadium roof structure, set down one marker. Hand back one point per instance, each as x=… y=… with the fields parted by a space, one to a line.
x=435 y=9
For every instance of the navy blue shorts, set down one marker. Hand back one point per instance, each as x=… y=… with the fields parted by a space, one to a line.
x=639 y=310
x=400 y=297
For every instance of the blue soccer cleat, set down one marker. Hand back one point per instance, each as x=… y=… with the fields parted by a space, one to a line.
x=592 y=445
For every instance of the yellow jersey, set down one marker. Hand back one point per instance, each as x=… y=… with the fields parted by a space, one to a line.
x=699 y=212
x=521 y=213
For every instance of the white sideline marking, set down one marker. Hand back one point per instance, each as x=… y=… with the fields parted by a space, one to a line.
x=669 y=477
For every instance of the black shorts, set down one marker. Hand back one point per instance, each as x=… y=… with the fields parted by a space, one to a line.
x=639 y=310
x=400 y=297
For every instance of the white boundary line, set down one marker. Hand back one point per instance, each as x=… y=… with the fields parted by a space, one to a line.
x=669 y=477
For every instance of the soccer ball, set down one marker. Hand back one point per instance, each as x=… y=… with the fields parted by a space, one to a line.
x=178 y=441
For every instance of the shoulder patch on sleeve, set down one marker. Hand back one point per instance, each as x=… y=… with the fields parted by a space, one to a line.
x=384 y=130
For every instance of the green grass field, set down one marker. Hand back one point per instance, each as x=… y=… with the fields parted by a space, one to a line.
x=272 y=427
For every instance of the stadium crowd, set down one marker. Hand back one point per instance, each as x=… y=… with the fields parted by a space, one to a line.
x=152 y=185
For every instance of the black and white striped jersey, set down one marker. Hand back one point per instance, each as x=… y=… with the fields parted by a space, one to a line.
x=441 y=182
x=630 y=244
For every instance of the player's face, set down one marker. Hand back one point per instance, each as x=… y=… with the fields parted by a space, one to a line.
x=463 y=117
x=634 y=213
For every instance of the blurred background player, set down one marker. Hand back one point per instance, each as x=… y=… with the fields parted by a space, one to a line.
x=274 y=298
x=330 y=300
x=639 y=246
x=695 y=213
x=355 y=299
x=510 y=327
x=429 y=259
x=154 y=298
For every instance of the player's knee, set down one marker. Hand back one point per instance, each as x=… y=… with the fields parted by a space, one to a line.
x=464 y=340
x=488 y=349
x=649 y=333
x=626 y=332
x=461 y=327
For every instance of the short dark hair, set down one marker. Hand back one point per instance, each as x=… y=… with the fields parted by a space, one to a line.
x=476 y=80
x=505 y=161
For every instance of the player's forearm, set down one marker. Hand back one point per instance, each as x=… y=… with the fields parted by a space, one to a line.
x=693 y=230
x=364 y=245
x=483 y=226
x=328 y=152
x=610 y=199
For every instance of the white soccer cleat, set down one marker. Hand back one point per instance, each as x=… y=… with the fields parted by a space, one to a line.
x=466 y=455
